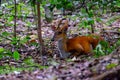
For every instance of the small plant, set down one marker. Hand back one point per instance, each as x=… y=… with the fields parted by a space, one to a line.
x=111 y=65
x=102 y=49
x=4 y=53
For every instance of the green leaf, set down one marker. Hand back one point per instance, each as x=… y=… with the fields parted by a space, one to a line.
x=29 y=61
x=98 y=19
x=84 y=23
x=104 y=43
x=10 y=19
x=44 y=2
x=15 y=40
x=2 y=50
x=90 y=21
x=5 y=33
x=16 y=55
x=91 y=13
x=110 y=66
x=24 y=40
x=58 y=6
x=99 y=49
x=53 y=1
x=83 y=10
x=10 y=6
x=69 y=5
x=118 y=4
x=118 y=42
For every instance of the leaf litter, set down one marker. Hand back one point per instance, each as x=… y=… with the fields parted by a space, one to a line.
x=82 y=68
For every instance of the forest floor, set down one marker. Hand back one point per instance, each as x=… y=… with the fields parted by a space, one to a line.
x=106 y=67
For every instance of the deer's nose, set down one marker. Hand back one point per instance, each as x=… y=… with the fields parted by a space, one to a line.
x=52 y=39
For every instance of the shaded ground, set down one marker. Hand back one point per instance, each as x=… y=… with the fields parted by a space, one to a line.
x=84 y=69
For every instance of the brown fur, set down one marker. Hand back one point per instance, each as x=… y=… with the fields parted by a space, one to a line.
x=82 y=44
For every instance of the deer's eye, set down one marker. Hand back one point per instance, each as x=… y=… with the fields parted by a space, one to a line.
x=59 y=32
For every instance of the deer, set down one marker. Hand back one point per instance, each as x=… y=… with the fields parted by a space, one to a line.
x=74 y=46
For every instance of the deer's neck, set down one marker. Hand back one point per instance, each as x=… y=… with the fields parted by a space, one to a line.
x=62 y=46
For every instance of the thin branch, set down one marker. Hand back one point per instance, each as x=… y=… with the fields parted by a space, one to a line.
x=15 y=19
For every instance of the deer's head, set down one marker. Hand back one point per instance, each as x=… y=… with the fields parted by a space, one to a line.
x=60 y=30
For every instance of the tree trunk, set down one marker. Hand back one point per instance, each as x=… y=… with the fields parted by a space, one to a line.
x=39 y=31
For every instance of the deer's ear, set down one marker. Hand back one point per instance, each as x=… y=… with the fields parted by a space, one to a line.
x=64 y=28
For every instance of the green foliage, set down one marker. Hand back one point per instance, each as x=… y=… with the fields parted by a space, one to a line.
x=102 y=49
x=10 y=69
x=14 y=40
x=24 y=40
x=16 y=55
x=60 y=4
x=93 y=10
x=111 y=65
x=4 y=53
x=5 y=34
x=29 y=61
x=118 y=43
x=17 y=42
x=27 y=64
x=8 y=11
x=2 y=50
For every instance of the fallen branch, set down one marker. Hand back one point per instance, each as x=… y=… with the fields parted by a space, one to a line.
x=113 y=74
